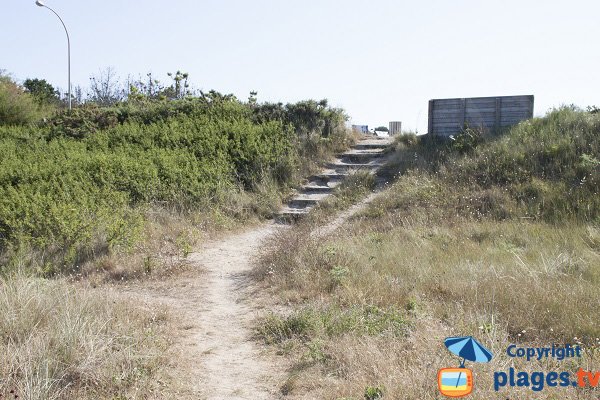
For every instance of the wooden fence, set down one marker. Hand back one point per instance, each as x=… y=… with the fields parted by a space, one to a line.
x=448 y=116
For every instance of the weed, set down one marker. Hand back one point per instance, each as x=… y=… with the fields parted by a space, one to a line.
x=373 y=393
x=338 y=274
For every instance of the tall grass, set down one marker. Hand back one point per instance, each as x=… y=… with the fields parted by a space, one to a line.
x=460 y=245
x=58 y=341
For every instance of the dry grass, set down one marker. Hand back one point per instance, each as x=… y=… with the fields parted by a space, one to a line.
x=509 y=282
x=448 y=258
x=59 y=341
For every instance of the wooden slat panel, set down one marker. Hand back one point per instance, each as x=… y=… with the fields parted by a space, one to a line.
x=444 y=126
x=446 y=102
x=454 y=118
x=486 y=115
x=514 y=115
x=444 y=113
x=486 y=109
x=479 y=122
x=476 y=103
x=523 y=109
x=448 y=116
x=474 y=118
x=430 y=121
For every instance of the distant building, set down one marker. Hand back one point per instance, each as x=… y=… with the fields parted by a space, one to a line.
x=360 y=128
x=395 y=128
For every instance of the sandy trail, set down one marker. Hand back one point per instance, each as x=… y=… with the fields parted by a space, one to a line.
x=215 y=305
x=216 y=357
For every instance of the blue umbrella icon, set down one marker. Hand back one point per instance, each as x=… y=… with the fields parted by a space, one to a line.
x=468 y=348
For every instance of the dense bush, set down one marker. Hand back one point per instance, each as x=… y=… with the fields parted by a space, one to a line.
x=42 y=92
x=82 y=121
x=82 y=180
x=309 y=118
x=16 y=106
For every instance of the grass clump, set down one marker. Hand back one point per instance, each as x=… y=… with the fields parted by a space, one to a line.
x=373 y=393
x=315 y=323
x=352 y=188
x=58 y=341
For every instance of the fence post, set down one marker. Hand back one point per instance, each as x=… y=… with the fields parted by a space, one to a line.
x=498 y=116
x=430 y=122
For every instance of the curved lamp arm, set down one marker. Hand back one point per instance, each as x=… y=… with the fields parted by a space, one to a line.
x=41 y=4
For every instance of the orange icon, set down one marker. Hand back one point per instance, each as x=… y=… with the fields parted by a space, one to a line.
x=455 y=382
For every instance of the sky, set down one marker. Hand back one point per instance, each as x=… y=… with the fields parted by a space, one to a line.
x=380 y=60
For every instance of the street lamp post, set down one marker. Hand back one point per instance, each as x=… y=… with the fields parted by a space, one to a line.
x=41 y=4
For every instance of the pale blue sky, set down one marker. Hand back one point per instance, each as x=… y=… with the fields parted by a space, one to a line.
x=381 y=60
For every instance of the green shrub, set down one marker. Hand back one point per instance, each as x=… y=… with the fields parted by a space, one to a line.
x=82 y=121
x=546 y=168
x=16 y=106
x=373 y=393
x=83 y=180
x=467 y=140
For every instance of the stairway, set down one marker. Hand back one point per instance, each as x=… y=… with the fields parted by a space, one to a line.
x=365 y=155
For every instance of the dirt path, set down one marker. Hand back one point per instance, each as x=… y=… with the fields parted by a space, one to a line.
x=215 y=304
x=215 y=355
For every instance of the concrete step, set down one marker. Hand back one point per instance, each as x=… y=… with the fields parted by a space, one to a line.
x=314 y=188
x=372 y=144
x=287 y=214
x=340 y=166
x=364 y=152
x=360 y=157
x=322 y=182
x=367 y=146
x=306 y=199
x=331 y=178
x=376 y=139
x=302 y=203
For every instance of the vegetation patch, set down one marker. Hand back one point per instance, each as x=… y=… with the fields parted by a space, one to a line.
x=495 y=237
x=312 y=323
x=81 y=183
x=58 y=341
x=123 y=187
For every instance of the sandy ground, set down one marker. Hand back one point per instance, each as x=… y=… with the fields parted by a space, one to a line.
x=215 y=305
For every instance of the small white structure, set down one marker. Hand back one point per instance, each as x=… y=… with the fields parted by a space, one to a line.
x=395 y=127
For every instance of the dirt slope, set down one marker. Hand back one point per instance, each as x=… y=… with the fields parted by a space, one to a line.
x=214 y=304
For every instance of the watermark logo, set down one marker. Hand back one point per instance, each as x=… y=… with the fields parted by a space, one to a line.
x=455 y=382
x=539 y=380
x=458 y=382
